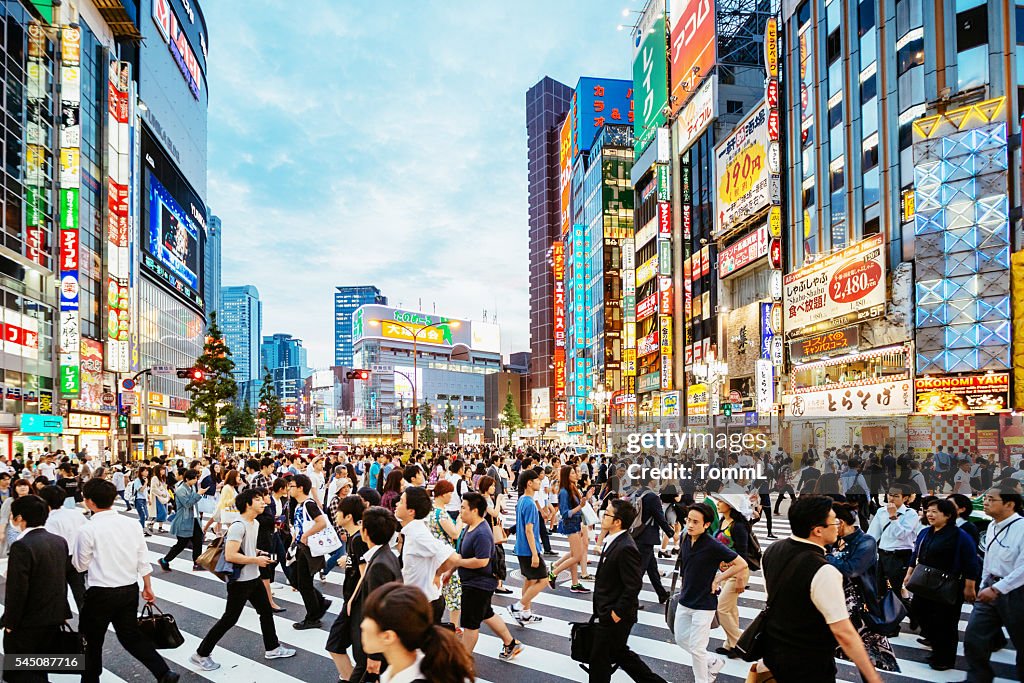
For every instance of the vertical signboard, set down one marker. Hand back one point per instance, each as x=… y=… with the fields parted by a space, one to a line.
x=650 y=74
x=37 y=156
x=70 y=174
x=117 y=352
x=693 y=47
x=565 y=172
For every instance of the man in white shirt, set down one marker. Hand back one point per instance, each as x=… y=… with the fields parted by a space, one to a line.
x=66 y=523
x=962 y=479
x=1000 y=601
x=454 y=506
x=425 y=558
x=112 y=550
x=47 y=468
x=895 y=530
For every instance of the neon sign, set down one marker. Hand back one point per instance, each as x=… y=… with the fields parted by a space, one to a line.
x=167 y=21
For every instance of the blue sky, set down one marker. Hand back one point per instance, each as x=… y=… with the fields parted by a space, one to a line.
x=385 y=143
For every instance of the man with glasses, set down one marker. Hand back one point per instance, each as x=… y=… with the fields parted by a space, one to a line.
x=617 y=584
x=1000 y=601
x=808 y=615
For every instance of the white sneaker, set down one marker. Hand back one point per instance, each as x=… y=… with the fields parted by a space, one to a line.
x=280 y=652
x=714 y=666
x=204 y=663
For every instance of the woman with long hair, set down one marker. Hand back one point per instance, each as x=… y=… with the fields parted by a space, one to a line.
x=734 y=533
x=570 y=505
x=159 y=497
x=488 y=489
x=392 y=489
x=139 y=497
x=10 y=533
x=226 y=502
x=398 y=623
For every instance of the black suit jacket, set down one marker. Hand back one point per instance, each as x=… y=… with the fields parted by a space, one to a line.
x=653 y=519
x=37 y=584
x=618 y=581
x=382 y=568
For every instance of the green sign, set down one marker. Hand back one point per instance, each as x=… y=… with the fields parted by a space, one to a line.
x=664 y=257
x=69 y=208
x=45 y=8
x=650 y=75
x=41 y=424
x=70 y=381
x=35 y=206
x=663 y=187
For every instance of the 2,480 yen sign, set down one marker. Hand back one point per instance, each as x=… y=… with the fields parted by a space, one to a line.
x=742 y=173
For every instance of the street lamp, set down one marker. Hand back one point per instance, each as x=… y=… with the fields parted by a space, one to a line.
x=713 y=372
x=415 y=333
x=600 y=398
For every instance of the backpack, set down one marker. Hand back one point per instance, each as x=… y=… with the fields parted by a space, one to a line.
x=639 y=526
x=754 y=554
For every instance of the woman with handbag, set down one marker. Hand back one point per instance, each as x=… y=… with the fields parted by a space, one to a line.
x=488 y=487
x=159 y=497
x=210 y=486
x=443 y=528
x=8 y=532
x=941 y=575
x=570 y=507
x=856 y=558
x=225 y=511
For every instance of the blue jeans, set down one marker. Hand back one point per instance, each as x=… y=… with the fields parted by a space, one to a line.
x=333 y=558
x=140 y=507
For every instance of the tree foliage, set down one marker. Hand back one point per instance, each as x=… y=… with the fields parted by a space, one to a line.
x=270 y=404
x=427 y=413
x=513 y=422
x=239 y=422
x=449 y=421
x=216 y=387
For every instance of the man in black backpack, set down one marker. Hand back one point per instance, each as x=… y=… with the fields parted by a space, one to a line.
x=648 y=534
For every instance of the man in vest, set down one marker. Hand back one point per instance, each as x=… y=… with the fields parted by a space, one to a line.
x=808 y=615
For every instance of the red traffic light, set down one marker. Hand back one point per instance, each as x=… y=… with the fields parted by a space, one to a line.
x=358 y=374
x=191 y=374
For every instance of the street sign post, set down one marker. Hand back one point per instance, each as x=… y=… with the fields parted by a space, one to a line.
x=163 y=369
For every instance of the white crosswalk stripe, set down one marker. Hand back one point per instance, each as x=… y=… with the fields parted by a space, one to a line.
x=197 y=599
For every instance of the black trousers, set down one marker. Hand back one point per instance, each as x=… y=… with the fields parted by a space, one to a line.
x=360 y=658
x=766 y=510
x=438 y=608
x=986 y=626
x=76 y=580
x=239 y=593
x=29 y=641
x=544 y=540
x=610 y=648
x=302 y=579
x=782 y=496
x=940 y=623
x=790 y=665
x=892 y=568
x=650 y=565
x=195 y=540
x=120 y=607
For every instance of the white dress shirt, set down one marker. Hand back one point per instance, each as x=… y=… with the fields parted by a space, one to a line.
x=898 y=534
x=408 y=675
x=422 y=554
x=113 y=550
x=1004 y=555
x=66 y=523
x=608 y=540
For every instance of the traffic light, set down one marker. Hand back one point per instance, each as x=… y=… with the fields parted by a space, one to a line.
x=363 y=375
x=727 y=409
x=122 y=422
x=192 y=374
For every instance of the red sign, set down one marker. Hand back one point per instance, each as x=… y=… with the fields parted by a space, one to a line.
x=69 y=250
x=775 y=254
x=560 y=412
x=35 y=249
x=773 y=124
x=966 y=393
x=646 y=308
x=772 y=93
x=19 y=335
x=743 y=252
x=560 y=379
x=664 y=218
x=665 y=295
x=117 y=220
x=692 y=49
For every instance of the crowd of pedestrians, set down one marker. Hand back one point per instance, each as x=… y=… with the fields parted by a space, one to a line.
x=879 y=543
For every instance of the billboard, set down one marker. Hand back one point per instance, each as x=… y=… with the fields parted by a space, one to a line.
x=565 y=172
x=596 y=102
x=866 y=400
x=373 y=321
x=697 y=115
x=964 y=393
x=91 y=397
x=403 y=383
x=70 y=140
x=650 y=74
x=744 y=185
x=838 y=290
x=173 y=237
x=540 y=405
x=692 y=49
x=748 y=249
x=119 y=218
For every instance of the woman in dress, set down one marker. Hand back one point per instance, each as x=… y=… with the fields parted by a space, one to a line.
x=856 y=557
x=442 y=527
x=159 y=497
x=734 y=533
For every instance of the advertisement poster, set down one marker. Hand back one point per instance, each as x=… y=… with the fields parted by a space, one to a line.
x=965 y=393
x=745 y=186
x=692 y=49
x=650 y=75
x=838 y=290
x=868 y=400
x=748 y=249
x=540 y=404
x=697 y=115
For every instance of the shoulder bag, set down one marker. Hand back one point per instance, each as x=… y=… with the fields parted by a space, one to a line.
x=227 y=571
x=581 y=643
x=160 y=628
x=323 y=542
x=934 y=584
x=211 y=556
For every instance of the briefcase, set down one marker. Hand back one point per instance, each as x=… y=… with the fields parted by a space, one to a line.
x=581 y=643
x=68 y=641
x=160 y=628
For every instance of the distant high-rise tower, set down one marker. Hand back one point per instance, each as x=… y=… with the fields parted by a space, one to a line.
x=546 y=106
x=241 y=320
x=346 y=301
x=285 y=358
x=211 y=274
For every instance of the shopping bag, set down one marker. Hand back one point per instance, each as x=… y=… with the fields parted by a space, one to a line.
x=590 y=517
x=324 y=542
x=160 y=628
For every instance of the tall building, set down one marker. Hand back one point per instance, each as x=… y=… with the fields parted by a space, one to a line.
x=285 y=358
x=241 y=321
x=547 y=103
x=346 y=301
x=212 y=277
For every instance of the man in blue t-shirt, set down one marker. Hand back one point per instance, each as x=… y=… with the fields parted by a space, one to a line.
x=375 y=468
x=700 y=557
x=531 y=564
x=476 y=572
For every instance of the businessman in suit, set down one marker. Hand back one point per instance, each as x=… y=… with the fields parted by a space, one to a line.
x=36 y=599
x=618 y=582
x=653 y=522
x=379 y=525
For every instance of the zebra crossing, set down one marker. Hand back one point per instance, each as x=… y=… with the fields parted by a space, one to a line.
x=197 y=599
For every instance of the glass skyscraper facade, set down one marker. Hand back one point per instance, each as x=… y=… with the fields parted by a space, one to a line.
x=241 y=320
x=346 y=301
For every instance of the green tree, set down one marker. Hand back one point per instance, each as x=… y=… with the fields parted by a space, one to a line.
x=513 y=421
x=216 y=387
x=270 y=404
x=239 y=422
x=427 y=414
x=449 y=421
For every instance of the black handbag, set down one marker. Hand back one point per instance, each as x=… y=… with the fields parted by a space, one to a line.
x=67 y=641
x=581 y=643
x=500 y=568
x=160 y=628
x=933 y=584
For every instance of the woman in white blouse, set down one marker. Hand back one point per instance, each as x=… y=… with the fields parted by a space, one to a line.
x=159 y=497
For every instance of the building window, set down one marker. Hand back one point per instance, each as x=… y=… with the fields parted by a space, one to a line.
x=972 y=67
x=910 y=55
x=865 y=16
x=733 y=106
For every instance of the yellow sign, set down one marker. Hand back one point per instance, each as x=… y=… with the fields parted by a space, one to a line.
x=740 y=175
x=909 y=205
x=646 y=270
x=405 y=331
x=697 y=399
x=775 y=222
x=629 y=362
x=771 y=47
x=964 y=118
x=665 y=334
